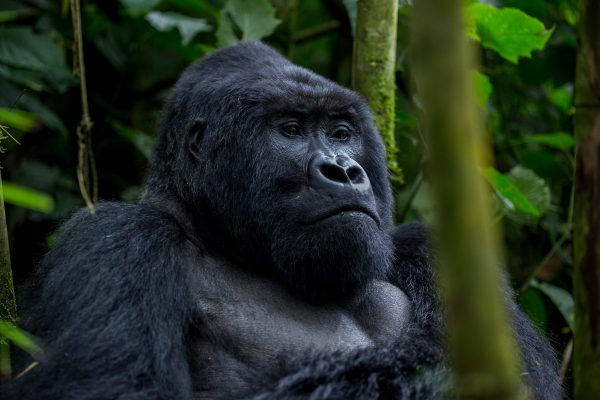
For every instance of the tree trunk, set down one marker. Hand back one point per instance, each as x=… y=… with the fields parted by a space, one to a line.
x=586 y=277
x=373 y=72
x=484 y=354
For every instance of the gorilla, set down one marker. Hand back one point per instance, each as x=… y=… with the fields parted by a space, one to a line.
x=260 y=263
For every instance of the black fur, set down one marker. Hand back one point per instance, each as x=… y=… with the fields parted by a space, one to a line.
x=113 y=300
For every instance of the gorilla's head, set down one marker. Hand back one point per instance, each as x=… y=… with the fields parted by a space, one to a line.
x=279 y=167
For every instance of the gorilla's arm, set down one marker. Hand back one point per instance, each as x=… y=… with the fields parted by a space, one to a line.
x=416 y=278
x=415 y=366
x=537 y=356
x=110 y=310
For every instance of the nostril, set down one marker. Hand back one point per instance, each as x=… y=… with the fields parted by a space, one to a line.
x=334 y=173
x=354 y=174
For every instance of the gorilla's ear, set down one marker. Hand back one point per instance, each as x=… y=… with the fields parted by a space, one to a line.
x=195 y=135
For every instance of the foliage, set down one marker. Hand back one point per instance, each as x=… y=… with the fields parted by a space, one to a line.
x=27 y=198
x=509 y=193
x=254 y=20
x=20 y=338
x=509 y=31
x=187 y=27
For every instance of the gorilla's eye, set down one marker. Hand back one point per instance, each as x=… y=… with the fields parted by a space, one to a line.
x=341 y=133
x=291 y=129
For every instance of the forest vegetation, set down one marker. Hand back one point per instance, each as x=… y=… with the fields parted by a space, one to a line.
x=491 y=132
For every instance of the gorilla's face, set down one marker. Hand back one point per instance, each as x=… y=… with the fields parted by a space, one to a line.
x=295 y=173
x=327 y=229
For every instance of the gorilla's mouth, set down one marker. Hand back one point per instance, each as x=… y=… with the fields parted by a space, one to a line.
x=321 y=216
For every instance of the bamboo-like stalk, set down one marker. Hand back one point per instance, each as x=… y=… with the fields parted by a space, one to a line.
x=484 y=354
x=373 y=68
x=586 y=251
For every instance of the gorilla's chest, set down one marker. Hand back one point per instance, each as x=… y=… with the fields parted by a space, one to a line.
x=248 y=325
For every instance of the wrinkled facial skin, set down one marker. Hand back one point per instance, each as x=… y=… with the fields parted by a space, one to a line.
x=290 y=168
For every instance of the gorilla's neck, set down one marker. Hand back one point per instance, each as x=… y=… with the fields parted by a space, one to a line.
x=205 y=230
x=315 y=276
x=171 y=204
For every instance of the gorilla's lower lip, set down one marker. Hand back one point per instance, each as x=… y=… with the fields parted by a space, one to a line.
x=337 y=211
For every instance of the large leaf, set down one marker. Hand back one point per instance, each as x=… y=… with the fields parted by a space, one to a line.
x=188 y=27
x=21 y=47
x=561 y=299
x=559 y=140
x=532 y=186
x=254 y=19
x=27 y=198
x=508 y=31
x=510 y=194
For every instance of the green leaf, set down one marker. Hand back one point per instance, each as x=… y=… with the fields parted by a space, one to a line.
x=534 y=189
x=188 y=27
x=532 y=186
x=508 y=31
x=532 y=303
x=559 y=140
x=20 y=338
x=561 y=299
x=18 y=119
x=510 y=195
x=255 y=19
x=139 y=6
x=483 y=88
x=27 y=198
x=225 y=34
x=561 y=97
x=21 y=47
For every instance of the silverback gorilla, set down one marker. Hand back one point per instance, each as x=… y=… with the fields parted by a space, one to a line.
x=261 y=261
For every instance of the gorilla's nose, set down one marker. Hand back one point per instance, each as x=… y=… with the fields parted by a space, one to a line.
x=340 y=171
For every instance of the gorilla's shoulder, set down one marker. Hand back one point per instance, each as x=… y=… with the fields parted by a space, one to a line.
x=115 y=236
x=117 y=220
